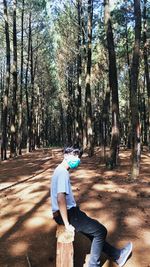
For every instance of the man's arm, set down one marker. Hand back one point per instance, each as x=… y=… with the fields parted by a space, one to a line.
x=61 y=198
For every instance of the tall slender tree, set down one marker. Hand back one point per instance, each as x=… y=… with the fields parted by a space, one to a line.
x=146 y=65
x=79 y=132
x=84 y=58
x=88 y=101
x=70 y=108
x=32 y=110
x=1 y=96
x=21 y=84
x=113 y=83
x=4 y=143
x=135 y=123
x=26 y=83
x=14 y=115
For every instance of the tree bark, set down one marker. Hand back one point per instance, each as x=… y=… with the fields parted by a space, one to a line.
x=105 y=120
x=70 y=112
x=1 y=100
x=26 y=85
x=88 y=105
x=113 y=83
x=4 y=144
x=128 y=123
x=146 y=66
x=62 y=128
x=79 y=127
x=135 y=123
x=84 y=59
x=14 y=115
x=32 y=110
x=21 y=84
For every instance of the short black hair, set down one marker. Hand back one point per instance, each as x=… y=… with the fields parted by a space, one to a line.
x=74 y=150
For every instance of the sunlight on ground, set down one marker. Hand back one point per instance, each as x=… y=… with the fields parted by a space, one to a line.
x=93 y=205
x=18 y=249
x=35 y=222
x=7 y=224
x=40 y=219
x=83 y=174
x=134 y=221
x=146 y=237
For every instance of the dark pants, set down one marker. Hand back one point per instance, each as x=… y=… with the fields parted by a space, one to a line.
x=95 y=231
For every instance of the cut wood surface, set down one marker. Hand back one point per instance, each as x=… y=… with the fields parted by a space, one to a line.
x=64 y=254
x=64 y=236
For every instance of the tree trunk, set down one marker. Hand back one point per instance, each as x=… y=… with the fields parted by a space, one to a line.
x=26 y=85
x=37 y=118
x=32 y=118
x=79 y=133
x=128 y=124
x=143 y=119
x=21 y=85
x=62 y=128
x=70 y=112
x=113 y=83
x=136 y=146
x=146 y=67
x=88 y=105
x=14 y=119
x=105 y=121
x=1 y=100
x=83 y=31
x=43 y=111
x=4 y=143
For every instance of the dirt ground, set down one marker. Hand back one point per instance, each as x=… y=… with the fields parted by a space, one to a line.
x=27 y=230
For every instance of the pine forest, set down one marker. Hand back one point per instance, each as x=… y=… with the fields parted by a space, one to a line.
x=75 y=72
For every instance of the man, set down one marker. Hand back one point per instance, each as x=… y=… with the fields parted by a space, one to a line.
x=66 y=212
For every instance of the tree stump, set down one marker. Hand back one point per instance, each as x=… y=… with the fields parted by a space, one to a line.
x=64 y=253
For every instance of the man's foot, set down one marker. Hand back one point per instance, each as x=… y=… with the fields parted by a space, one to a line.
x=124 y=254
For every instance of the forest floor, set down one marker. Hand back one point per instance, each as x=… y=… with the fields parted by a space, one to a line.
x=27 y=230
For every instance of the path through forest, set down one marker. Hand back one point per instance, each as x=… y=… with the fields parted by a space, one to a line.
x=27 y=231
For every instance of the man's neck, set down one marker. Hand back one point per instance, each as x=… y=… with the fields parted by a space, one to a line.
x=65 y=164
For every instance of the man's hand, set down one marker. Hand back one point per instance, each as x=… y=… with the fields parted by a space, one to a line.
x=70 y=228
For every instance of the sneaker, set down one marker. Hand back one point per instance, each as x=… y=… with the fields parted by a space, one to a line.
x=124 y=254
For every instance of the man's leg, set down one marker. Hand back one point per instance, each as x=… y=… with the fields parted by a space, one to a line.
x=111 y=251
x=108 y=249
x=80 y=220
x=90 y=227
x=120 y=256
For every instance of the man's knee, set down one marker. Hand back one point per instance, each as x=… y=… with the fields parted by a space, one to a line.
x=103 y=231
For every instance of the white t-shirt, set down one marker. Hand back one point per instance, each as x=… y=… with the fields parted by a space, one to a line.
x=61 y=184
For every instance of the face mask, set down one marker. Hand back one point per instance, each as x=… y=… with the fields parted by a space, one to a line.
x=73 y=163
